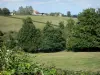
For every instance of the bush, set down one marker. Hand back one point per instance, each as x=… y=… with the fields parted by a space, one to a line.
x=61 y=25
x=16 y=62
x=10 y=39
x=1 y=40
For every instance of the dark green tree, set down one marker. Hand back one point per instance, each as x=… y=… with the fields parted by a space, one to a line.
x=6 y=11
x=86 y=32
x=55 y=13
x=52 y=39
x=62 y=28
x=1 y=11
x=68 y=14
x=28 y=36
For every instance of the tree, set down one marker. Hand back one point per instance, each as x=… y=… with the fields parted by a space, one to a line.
x=1 y=11
x=98 y=11
x=68 y=32
x=74 y=16
x=54 y=13
x=28 y=10
x=28 y=36
x=68 y=14
x=6 y=11
x=15 y=12
x=86 y=33
x=52 y=39
x=21 y=10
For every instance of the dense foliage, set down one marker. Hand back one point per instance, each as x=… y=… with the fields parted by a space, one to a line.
x=52 y=39
x=82 y=36
x=4 y=11
x=28 y=36
x=85 y=36
x=28 y=10
x=16 y=62
x=68 y=33
x=55 y=14
x=1 y=40
x=31 y=39
x=68 y=14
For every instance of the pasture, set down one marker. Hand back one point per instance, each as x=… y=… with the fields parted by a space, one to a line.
x=64 y=60
x=13 y=24
x=86 y=61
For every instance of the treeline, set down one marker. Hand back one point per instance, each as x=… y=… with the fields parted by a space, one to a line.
x=55 y=14
x=28 y=10
x=83 y=35
x=31 y=39
x=4 y=11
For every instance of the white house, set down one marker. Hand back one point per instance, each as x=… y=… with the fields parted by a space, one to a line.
x=12 y=13
x=36 y=12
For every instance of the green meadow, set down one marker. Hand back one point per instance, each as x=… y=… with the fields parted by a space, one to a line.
x=64 y=60
x=13 y=24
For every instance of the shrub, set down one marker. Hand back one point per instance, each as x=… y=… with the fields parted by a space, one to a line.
x=10 y=39
x=61 y=25
x=1 y=40
x=16 y=62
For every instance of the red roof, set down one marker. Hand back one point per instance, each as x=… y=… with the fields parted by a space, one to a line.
x=35 y=11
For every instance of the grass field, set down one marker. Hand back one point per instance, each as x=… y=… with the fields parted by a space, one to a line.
x=70 y=60
x=9 y=23
x=63 y=60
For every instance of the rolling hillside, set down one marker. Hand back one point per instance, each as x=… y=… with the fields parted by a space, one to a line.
x=14 y=24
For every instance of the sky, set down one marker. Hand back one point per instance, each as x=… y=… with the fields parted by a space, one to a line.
x=47 y=6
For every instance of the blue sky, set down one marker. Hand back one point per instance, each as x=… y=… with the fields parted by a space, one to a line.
x=47 y=6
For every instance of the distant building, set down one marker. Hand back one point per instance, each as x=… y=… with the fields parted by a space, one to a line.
x=38 y=13
x=60 y=15
x=12 y=13
x=35 y=12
